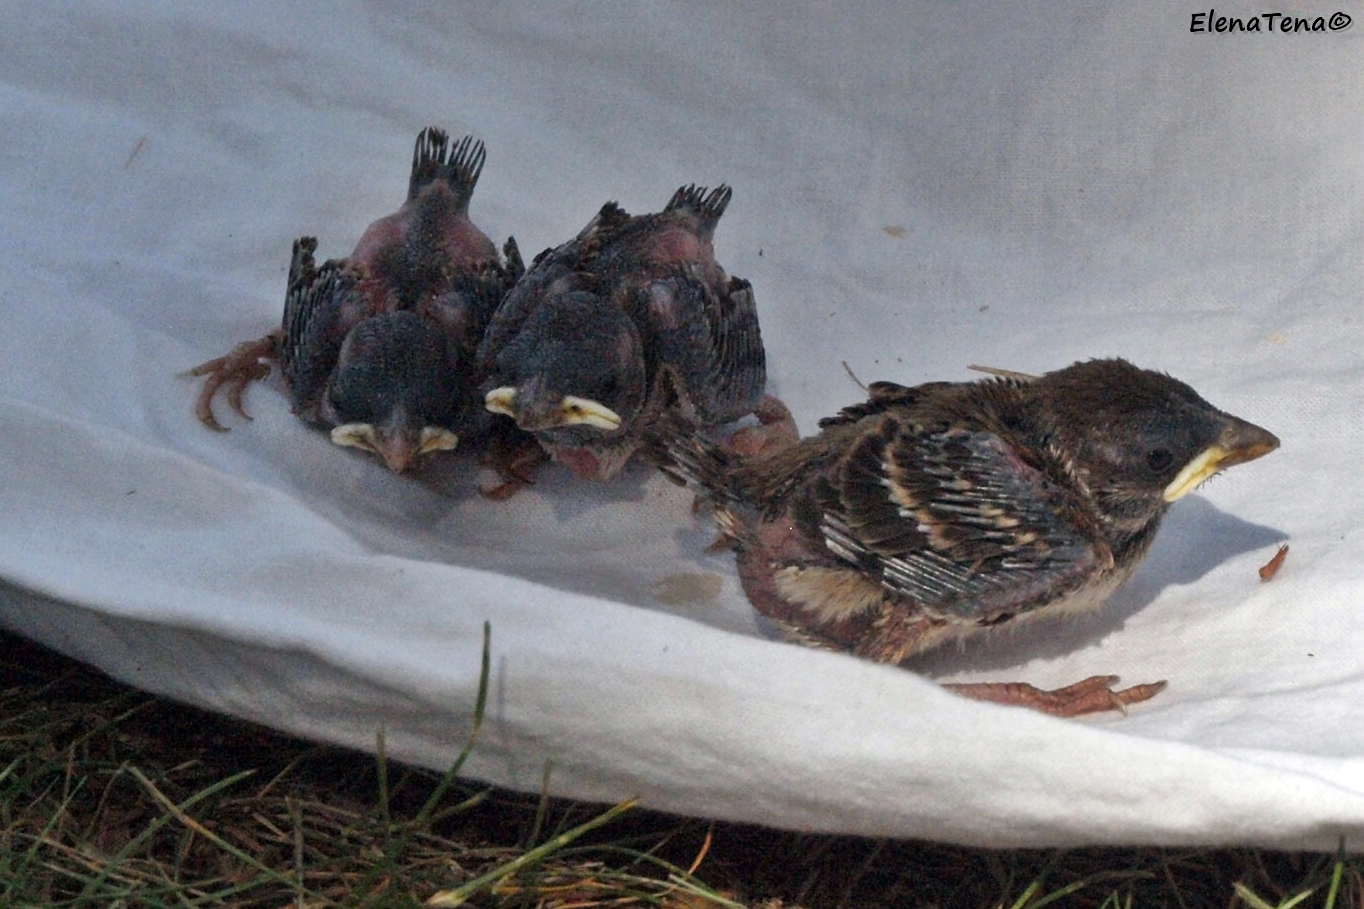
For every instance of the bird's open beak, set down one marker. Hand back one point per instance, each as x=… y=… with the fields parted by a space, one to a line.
x=1240 y=442
x=571 y=410
x=399 y=449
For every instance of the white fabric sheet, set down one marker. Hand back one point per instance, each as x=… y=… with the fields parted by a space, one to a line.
x=917 y=187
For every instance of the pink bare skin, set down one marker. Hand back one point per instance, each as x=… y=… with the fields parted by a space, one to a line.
x=679 y=245
x=776 y=429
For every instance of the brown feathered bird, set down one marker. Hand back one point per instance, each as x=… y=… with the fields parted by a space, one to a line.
x=930 y=513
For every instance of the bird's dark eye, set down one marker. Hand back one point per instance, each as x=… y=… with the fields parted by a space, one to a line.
x=1159 y=459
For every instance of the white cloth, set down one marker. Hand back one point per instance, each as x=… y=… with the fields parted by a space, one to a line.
x=916 y=188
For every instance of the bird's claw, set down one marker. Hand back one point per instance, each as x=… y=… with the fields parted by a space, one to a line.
x=235 y=370
x=1092 y=695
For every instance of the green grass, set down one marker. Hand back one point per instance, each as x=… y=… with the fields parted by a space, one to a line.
x=113 y=798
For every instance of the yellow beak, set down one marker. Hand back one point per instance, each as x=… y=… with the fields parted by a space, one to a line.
x=1240 y=442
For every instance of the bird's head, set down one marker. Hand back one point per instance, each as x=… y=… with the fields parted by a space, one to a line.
x=1140 y=439
x=575 y=370
x=396 y=392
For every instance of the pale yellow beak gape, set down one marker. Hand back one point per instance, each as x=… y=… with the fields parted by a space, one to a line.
x=395 y=450
x=355 y=435
x=1241 y=442
x=501 y=400
x=1195 y=472
x=586 y=412
x=573 y=410
x=436 y=438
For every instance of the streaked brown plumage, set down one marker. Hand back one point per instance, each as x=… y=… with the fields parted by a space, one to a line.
x=930 y=513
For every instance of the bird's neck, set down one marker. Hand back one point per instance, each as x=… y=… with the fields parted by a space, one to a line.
x=1131 y=538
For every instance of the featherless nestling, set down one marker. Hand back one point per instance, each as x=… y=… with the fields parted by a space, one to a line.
x=379 y=347
x=630 y=319
x=929 y=513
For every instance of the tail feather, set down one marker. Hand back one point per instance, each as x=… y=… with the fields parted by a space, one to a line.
x=683 y=454
x=435 y=159
x=302 y=265
x=707 y=205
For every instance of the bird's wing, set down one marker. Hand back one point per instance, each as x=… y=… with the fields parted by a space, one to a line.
x=709 y=344
x=884 y=396
x=956 y=521
x=555 y=271
x=320 y=309
x=515 y=267
x=466 y=306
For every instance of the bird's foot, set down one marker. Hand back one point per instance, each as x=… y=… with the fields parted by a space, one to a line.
x=1092 y=695
x=237 y=369
x=516 y=457
x=776 y=429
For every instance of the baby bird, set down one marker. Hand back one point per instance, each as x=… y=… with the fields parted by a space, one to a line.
x=930 y=513
x=379 y=347
x=631 y=318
